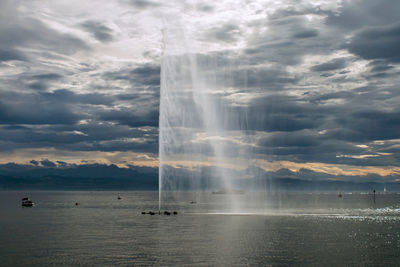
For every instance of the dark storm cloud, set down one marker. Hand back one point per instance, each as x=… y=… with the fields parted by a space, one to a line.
x=377 y=43
x=32 y=109
x=41 y=81
x=143 y=75
x=323 y=125
x=305 y=129
x=11 y=54
x=29 y=32
x=319 y=99
x=368 y=125
x=306 y=34
x=67 y=96
x=20 y=33
x=290 y=139
x=46 y=108
x=127 y=117
x=149 y=145
x=38 y=86
x=287 y=35
x=269 y=78
x=338 y=63
x=148 y=74
x=275 y=113
x=381 y=68
x=92 y=136
x=99 y=31
x=359 y=118
x=354 y=15
x=47 y=76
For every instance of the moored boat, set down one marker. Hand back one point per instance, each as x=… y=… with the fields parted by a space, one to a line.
x=26 y=202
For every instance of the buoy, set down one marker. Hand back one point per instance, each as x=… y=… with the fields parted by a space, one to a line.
x=374 y=196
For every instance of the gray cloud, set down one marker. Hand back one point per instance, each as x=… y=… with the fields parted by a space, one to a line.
x=46 y=108
x=306 y=34
x=47 y=76
x=299 y=115
x=338 y=63
x=377 y=43
x=11 y=54
x=38 y=86
x=203 y=7
x=98 y=30
x=127 y=117
x=290 y=139
x=143 y=75
x=354 y=15
x=31 y=109
x=225 y=33
x=33 y=33
x=143 y=4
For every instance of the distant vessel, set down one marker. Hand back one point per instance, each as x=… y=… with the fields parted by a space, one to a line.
x=26 y=202
x=119 y=197
x=339 y=194
x=225 y=192
x=384 y=190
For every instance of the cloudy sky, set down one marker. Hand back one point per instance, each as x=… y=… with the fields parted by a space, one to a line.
x=318 y=80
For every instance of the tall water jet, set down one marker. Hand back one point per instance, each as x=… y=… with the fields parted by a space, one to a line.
x=203 y=140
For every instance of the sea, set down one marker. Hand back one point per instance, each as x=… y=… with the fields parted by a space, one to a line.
x=95 y=228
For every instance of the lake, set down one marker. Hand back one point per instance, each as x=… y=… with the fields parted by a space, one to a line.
x=299 y=229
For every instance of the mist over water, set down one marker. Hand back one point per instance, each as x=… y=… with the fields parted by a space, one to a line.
x=200 y=127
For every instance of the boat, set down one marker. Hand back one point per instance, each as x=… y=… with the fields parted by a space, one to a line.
x=26 y=202
x=339 y=194
x=384 y=190
x=225 y=192
x=119 y=197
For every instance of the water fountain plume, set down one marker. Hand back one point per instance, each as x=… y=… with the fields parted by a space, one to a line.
x=200 y=130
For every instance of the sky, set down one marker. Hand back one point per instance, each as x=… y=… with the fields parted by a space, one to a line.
x=80 y=80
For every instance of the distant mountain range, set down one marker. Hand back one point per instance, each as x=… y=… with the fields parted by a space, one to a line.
x=63 y=176
x=77 y=177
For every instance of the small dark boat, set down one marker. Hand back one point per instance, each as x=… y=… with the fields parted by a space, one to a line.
x=119 y=197
x=26 y=202
x=229 y=192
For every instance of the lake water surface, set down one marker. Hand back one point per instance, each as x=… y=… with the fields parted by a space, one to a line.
x=282 y=229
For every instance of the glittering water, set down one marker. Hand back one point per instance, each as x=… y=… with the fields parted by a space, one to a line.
x=295 y=229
